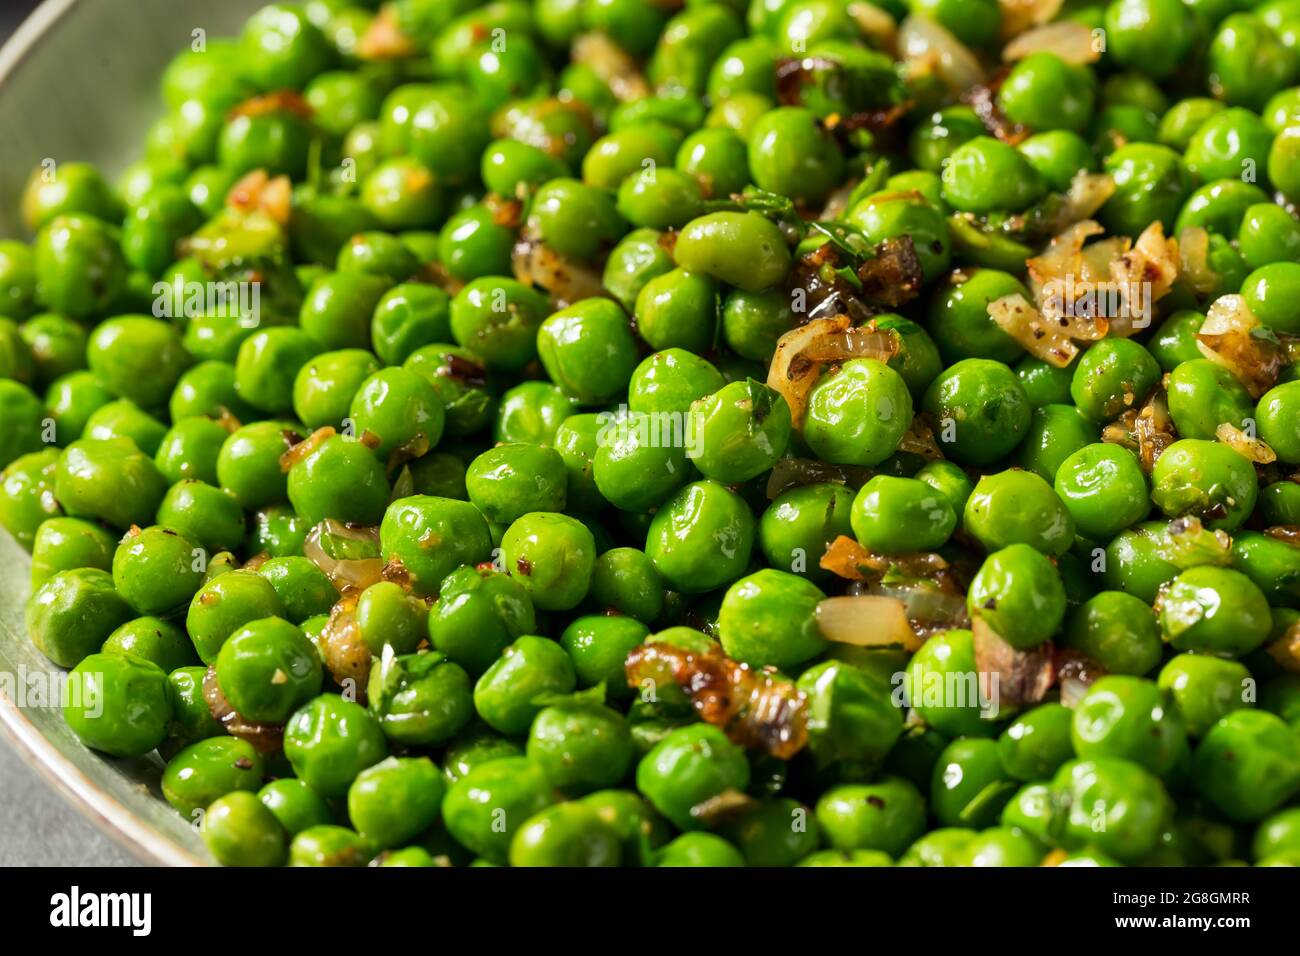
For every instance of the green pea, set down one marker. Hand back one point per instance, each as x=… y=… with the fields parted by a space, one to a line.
x=530 y=667
x=1018 y=507
x=885 y=816
x=580 y=747
x=295 y=805
x=118 y=704
x=857 y=722
x=1214 y=610
x=745 y=250
x=329 y=845
x=239 y=831
x=397 y=798
x=485 y=808
x=566 y=834
x=1019 y=594
x=985 y=175
x=1247 y=765
x=1205 y=479
x=1118 y=631
x=701 y=538
x=698 y=849
x=638 y=462
x=552 y=556
x=329 y=741
x=945 y=688
x=689 y=766
x=858 y=414
x=1037 y=742
x=1204 y=688
x=66 y=544
x=1130 y=802
x=896 y=515
x=209 y=769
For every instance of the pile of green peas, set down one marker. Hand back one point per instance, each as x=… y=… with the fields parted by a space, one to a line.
x=395 y=385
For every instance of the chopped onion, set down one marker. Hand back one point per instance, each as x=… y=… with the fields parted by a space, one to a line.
x=790 y=473
x=1070 y=40
x=1289 y=533
x=876 y=25
x=1286 y=650
x=1044 y=340
x=1020 y=15
x=302 y=449
x=611 y=63
x=848 y=559
x=919 y=439
x=867 y=620
x=265 y=738
x=803 y=353
x=384 y=39
x=1075 y=673
x=1187 y=543
x=345 y=573
x=537 y=264
x=1023 y=677
x=258 y=191
x=927 y=47
x=931 y=607
x=1247 y=446
x=1229 y=337
x=345 y=654
x=723 y=808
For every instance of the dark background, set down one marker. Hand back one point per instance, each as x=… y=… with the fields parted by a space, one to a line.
x=12 y=13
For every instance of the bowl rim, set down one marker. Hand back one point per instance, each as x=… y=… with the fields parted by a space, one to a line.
x=109 y=815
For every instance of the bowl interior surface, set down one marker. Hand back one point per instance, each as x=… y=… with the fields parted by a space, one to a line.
x=79 y=81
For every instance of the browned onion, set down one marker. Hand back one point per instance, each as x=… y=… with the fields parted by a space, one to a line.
x=1227 y=338
x=1070 y=40
x=803 y=353
x=927 y=47
x=1023 y=677
x=537 y=264
x=344 y=574
x=1248 y=447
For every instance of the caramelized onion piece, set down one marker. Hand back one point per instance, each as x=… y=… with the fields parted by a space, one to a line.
x=384 y=39
x=259 y=191
x=1194 y=253
x=1147 y=431
x=790 y=473
x=867 y=620
x=919 y=439
x=300 y=450
x=537 y=264
x=281 y=101
x=753 y=708
x=1286 y=650
x=1044 y=340
x=1075 y=673
x=1247 y=446
x=345 y=573
x=849 y=559
x=1070 y=40
x=1023 y=677
x=1289 y=533
x=928 y=48
x=265 y=738
x=1020 y=15
x=1231 y=336
x=609 y=61
x=931 y=605
x=802 y=354
x=1187 y=543
x=345 y=655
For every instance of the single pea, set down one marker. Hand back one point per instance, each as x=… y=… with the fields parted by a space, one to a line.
x=1279 y=503
x=118 y=704
x=1205 y=479
x=532 y=411
x=885 y=816
x=1044 y=92
x=980 y=408
x=1247 y=765
x=1204 y=688
x=565 y=834
x=420 y=699
x=324 y=387
x=858 y=720
x=701 y=538
x=640 y=461
x=969 y=786
x=1130 y=802
x=1018 y=507
x=303 y=588
x=66 y=544
x=339 y=479
x=1056 y=432
x=1129 y=718
x=1137 y=560
x=267 y=668
x=552 y=556
x=576 y=220
x=387 y=616
x=640 y=256
x=944 y=686
x=498 y=319
x=1117 y=631
x=1271 y=563
x=1268 y=234
x=530 y=667
x=1214 y=610
x=407 y=316
x=209 y=769
x=588 y=350
x=698 y=849
x=1037 y=742
x=239 y=831
x=1219 y=206
x=479 y=612
x=1151 y=182
x=394 y=800
x=278 y=531
x=742 y=249
x=1058 y=155
x=1202 y=395
x=625 y=580
x=297 y=806
x=768 y=618
x=154 y=639
x=461 y=381
x=669 y=381
x=858 y=414
x=581 y=746
x=800 y=524
x=329 y=741
x=79 y=267
x=1019 y=594
x=486 y=807
x=329 y=845
x=738 y=432
x=898 y=515
x=1104 y=489
x=689 y=766
x=985 y=175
